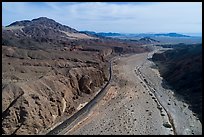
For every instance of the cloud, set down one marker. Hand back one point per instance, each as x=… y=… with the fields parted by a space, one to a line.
x=132 y=17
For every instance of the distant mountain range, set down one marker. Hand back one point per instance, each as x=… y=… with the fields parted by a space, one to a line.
x=110 y=34
x=45 y=33
x=171 y=35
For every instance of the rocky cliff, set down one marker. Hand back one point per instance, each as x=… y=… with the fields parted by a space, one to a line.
x=37 y=93
x=181 y=68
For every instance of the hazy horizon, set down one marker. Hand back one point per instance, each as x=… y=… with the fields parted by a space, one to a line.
x=116 y=17
x=190 y=34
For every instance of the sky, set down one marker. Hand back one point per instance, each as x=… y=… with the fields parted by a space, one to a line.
x=121 y=17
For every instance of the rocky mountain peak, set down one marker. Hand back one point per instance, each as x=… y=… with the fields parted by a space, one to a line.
x=20 y=23
x=43 y=22
x=40 y=19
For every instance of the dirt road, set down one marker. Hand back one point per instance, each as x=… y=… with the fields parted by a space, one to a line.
x=136 y=103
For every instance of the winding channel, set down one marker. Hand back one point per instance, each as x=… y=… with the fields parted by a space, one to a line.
x=156 y=99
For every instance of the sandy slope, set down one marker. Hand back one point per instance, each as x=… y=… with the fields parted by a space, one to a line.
x=136 y=103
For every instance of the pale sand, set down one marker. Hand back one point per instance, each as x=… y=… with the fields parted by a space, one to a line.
x=78 y=35
x=81 y=105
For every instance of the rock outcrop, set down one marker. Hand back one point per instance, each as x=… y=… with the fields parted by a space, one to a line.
x=41 y=87
x=31 y=107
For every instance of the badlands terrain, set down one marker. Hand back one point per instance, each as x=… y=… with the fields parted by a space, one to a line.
x=57 y=80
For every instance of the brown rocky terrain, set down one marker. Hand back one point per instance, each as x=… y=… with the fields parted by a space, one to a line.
x=182 y=70
x=49 y=70
x=37 y=91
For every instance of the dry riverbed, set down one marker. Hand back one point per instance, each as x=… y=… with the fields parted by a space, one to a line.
x=136 y=103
